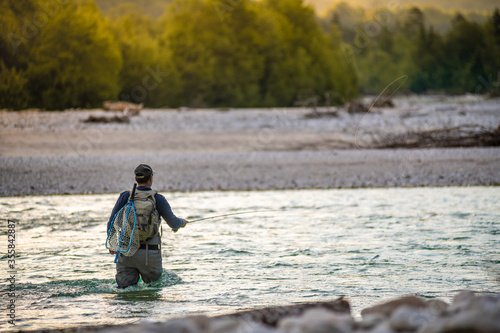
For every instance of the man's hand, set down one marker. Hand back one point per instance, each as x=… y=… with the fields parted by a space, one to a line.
x=185 y=223
x=112 y=252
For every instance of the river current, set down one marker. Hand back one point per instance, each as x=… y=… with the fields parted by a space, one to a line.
x=369 y=245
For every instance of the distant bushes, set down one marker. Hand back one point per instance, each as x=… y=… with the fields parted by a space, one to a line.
x=462 y=59
x=215 y=53
x=200 y=53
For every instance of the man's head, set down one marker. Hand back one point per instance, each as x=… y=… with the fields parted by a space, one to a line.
x=144 y=175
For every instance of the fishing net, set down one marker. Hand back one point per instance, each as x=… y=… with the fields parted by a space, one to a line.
x=122 y=235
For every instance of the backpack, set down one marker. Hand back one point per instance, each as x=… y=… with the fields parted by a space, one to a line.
x=148 y=218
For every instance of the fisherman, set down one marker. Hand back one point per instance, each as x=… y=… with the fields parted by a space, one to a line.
x=150 y=207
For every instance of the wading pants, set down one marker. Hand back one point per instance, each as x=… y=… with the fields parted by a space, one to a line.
x=147 y=264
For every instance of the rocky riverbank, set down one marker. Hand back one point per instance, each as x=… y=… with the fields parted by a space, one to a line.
x=468 y=312
x=252 y=149
x=40 y=175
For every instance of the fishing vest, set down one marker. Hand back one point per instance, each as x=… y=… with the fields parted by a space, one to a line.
x=148 y=219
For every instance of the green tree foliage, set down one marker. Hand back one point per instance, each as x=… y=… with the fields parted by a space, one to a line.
x=13 y=22
x=74 y=62
x=18 y=26
x=429 y=61
x=136 y=37
x=240 y=53
x=13 y=93
x=492 y=53
x=311 y=63
x=214 y=54
x=463 y=46
x=244 y=53
x=455 y=61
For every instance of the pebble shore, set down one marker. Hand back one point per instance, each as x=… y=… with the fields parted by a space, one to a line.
x=42 y=175
x=468 y=312
x=46 y=153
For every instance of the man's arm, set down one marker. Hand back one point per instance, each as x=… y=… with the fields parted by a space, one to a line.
x=166 y=212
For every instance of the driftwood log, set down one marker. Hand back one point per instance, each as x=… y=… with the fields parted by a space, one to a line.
x=459 y=136
x=122 y=119
x=357 y=107
x=383 y=103
x=323 y=114
x=121 y=106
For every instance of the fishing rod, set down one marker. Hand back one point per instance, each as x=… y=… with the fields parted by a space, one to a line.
x=238 y=213
x=230 y=214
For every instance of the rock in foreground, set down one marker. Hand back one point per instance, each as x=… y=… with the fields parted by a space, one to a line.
x=469 y=312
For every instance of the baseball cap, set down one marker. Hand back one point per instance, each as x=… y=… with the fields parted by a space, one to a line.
x=143 y=171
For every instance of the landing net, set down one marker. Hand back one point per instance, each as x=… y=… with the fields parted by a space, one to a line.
x=122 y=235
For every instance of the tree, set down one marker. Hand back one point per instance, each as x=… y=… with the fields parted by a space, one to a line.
x=248 y=54
x=311 y=62
x=73 y=61
x=429 y=60
x=17 y=30
x=13 y=93
x=491 y=54
x=16 y=34
x=463 y=47
x=191 y=45
x=414 y=22
x=134 y=34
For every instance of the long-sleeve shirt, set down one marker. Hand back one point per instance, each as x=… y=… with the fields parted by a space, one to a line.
x=162 y=207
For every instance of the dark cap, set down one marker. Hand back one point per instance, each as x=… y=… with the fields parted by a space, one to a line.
x=143 y=172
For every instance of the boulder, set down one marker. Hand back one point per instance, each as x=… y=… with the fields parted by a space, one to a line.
x=389 y=307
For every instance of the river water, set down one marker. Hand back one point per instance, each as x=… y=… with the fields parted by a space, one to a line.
x=367 y=244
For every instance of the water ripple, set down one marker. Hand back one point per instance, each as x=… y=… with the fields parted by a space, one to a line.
x=368 y=244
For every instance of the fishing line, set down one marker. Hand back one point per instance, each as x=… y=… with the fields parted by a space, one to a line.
x=238 y=213
x=230 y=214
x=403 y=79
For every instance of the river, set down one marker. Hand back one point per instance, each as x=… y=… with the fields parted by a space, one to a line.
x=369 y=245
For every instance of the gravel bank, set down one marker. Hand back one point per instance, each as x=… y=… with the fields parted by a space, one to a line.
x=251 y=149
x=38 y=175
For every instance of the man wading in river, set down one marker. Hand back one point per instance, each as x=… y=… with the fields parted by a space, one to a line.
x=150 y=208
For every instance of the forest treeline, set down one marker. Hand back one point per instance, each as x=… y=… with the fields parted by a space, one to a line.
x=59 y=54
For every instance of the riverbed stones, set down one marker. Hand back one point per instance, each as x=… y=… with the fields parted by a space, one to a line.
x=371 y=320
x=469 y=312
x=44 y=153
x=317 y=320
x=409 y=319
x=405 y=314
x=271 y=316
x=389 y=307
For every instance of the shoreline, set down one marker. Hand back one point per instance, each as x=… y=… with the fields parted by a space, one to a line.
x=468 y=311
x=45 y=153
x=41 y=175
